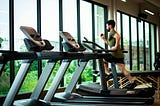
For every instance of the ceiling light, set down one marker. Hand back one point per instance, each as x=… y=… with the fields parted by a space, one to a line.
x=124 y=0
x=149 y=12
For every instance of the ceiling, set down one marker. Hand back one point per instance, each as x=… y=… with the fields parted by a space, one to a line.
x=153 y=4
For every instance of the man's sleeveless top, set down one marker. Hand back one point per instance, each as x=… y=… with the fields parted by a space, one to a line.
x=112 y=41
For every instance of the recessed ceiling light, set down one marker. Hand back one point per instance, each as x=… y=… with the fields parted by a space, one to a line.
x=149 y=12
x=124 y=0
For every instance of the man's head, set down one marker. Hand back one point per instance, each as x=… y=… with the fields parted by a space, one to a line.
x=110 y=24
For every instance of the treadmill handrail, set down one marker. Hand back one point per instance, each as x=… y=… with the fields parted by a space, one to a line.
x=15 y=55
x=98 y=50
x=93 y=49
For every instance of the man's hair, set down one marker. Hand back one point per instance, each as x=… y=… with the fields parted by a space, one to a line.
x=111 y=22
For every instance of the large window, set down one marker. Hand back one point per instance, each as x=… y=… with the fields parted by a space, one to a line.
x=80 y=18
x=50 y=21
x=86 y=20
x=70 y=17
x=139 y=38
x=134 y=43
x=147 y=46
x=141 y=45
x=25 y=15
x=99 y=24
x=4 y=44
x=125 y=34
x=4 y=25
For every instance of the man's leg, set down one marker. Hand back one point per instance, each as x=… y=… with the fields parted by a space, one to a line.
x=127 y=74
x=109 y=75
x=107 y=71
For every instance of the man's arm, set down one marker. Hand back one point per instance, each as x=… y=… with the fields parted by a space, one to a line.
x=105 y=40
x=117 y=37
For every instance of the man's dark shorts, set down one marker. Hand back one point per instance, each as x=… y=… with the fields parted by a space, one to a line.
x=114 y=59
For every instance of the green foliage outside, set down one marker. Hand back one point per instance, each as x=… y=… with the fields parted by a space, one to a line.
x=1 y=40
x=85 y=77
x=32 y=76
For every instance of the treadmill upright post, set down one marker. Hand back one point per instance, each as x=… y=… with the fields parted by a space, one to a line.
x=43 y=79
x=1 y=67
x=57 y=79
x=115 y=77
x=78 y=71
x=17 y=82
x=102 y=76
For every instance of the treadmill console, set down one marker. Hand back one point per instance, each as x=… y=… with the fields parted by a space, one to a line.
x=70 y=44
x=34 y=42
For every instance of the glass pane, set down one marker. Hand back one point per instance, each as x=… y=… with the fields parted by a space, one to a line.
x=70 y=17
x=99 y=28
x=50 y=21
x=118 y=23
x=147 y=46
x=152 y=45
x=99 y=24
x=25 y=15
x=141 y=40
x=134 y=43
x=4 y=44
x=86 y=31
x=50 y=29
x=86 y=20
x=125 y=20
x=4 y=25
x=70 y=25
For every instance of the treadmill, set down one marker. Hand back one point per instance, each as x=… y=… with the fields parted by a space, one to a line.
x=96 y=89
x=52 y=57
x=28 y=58
x=115 y=96
x=69 y=98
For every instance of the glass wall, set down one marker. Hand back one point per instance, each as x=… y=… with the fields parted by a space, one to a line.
x=139 y=39
x=48 y=17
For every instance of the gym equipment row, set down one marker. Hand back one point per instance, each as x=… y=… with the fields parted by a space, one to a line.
x=74 y=51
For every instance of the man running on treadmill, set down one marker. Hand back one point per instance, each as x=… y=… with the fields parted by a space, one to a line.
x=118 y=57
